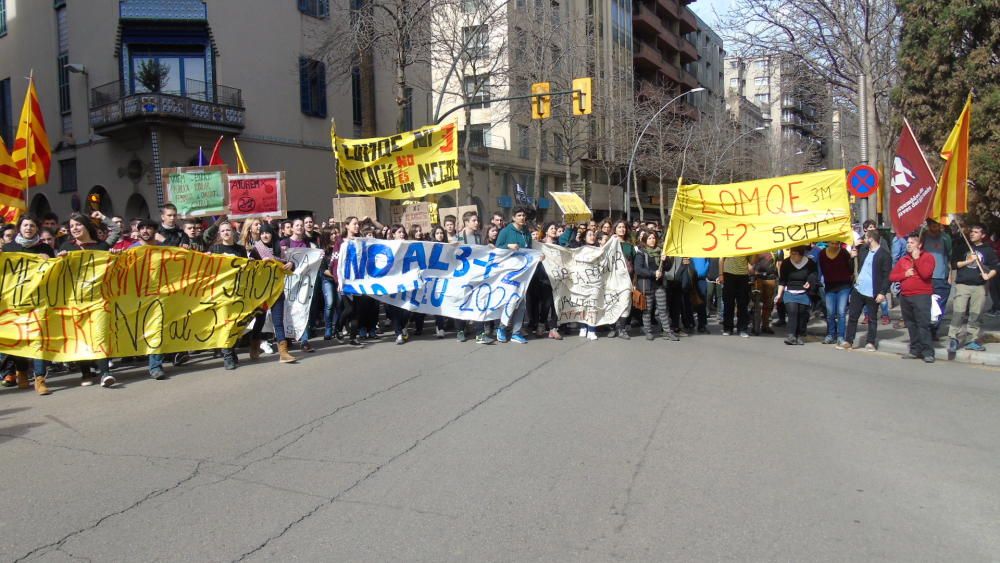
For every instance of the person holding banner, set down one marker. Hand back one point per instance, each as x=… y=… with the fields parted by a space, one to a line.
x=620 y=231
x=400 y=317
x=28 y=240
x=649 y=280
x=169 y=234
x=470 y=235
x=297 y=239
x=797 y=279
x=250 y=233
x=514 y=236
x=226 y=244
x=735 y=280
x=267 y=249
x=328 y=280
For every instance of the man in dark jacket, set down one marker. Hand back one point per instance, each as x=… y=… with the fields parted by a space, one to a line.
x=972 y=272
x=170 y=233
x=871 y=287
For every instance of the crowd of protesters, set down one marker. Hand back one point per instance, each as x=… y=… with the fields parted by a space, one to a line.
x=848 y=285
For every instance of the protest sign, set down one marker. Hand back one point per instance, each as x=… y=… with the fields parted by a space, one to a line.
x=468 y=282
x=574 y=209
x=261 y=194
x=196 y=191
x=404 y=166
x=360 y=207
x=418 y=214
x=150 y=299
x=299 y=289
x=759 y=215
x=457 y=212
x=590 y=284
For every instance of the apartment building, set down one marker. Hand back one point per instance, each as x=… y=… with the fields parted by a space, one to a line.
x=661 y=47
x=231 y=70
x=708 y=68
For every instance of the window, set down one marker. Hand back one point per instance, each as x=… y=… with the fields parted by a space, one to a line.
x=67 y=175
x=357 y=106
x=6 y=117
x=407 y=109
x=62 y=33
x=477 y=90
x=479 y=137
x=312 y=87
x=734 y=83
x=185 y=74
x=3 y=17
x=762 y=99
x=315 y=8
x=476 y=39
x=470 y=6
x=522 y=141
x=760 y=81
x=761 y=65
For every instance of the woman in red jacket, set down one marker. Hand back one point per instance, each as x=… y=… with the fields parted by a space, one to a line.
x=913 y=272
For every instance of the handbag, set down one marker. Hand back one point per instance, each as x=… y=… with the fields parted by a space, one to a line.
x=638 y=297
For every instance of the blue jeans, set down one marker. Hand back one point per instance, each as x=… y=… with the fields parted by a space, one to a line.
x=514 y=319
x=330 y=298
x=278 y=318
x=943 y=290
x=836 y=312
x=155 y=362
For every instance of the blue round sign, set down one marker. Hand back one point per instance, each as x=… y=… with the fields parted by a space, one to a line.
x=862 y=180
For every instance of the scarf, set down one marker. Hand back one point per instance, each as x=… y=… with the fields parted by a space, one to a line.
x=27 y=242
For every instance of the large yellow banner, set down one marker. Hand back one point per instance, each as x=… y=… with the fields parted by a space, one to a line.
x=89 y=305
x=404 y=166
x=759 y=216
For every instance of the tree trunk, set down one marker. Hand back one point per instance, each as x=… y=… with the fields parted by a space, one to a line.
x=663 y=213
x=400 y=91
x=468 y=160
x=538 y=153
x=638 y=202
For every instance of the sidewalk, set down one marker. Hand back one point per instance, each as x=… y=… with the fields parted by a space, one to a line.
x=896 y=340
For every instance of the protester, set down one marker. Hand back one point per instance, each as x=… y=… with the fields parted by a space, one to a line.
x=873 y=265
x=621 y=328
x=399 y=316
x=972 y=273
x=871 y=225
x=297 y=239
x=169 y=233
x=649 y=267
x=938 y=244
x=228 y=245
x=267 y=249
x=514 y=236
x=914 y=272
x=835 y=269
x=735 y=280
x=797 y=278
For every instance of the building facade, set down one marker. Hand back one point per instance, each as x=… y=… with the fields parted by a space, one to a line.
x=129 y=85
x=661 y=48
x=708 y=68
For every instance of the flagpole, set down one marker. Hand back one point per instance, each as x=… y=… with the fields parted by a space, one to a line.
x=28 y=142
x=967 y=243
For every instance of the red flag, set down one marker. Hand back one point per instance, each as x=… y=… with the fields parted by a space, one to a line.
x=216 y=157
x=912 y=185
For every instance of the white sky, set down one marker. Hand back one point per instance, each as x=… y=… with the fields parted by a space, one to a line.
x=706 y=10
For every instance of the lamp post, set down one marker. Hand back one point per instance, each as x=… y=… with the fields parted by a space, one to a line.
x=631 y=160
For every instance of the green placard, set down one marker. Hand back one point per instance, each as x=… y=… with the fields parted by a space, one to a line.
x=198 y=191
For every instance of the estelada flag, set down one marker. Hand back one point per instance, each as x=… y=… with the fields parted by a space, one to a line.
x=32 y=153
x=11 y=184
x=953 y=187
x=912 y=185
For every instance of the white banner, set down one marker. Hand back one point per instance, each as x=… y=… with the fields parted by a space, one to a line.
x=590 y=284
x=467 y=282
x=299 y=289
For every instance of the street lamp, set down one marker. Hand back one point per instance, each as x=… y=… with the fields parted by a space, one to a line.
x=628 y=179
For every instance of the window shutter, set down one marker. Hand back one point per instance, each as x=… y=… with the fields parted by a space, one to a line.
x=304 y=84
x=304 y=6
x=324 y=8
x=320 y=70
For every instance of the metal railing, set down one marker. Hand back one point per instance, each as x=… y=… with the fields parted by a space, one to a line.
x=193 y=89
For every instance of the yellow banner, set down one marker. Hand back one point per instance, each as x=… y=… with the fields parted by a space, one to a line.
x=759 y=216
x=574 y=209
x=89 y=305
x=404 y=166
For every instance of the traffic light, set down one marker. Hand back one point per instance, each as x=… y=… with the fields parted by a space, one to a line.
x=583 y=100
x=541 y=106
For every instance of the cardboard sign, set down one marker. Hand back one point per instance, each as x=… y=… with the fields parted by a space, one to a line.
x=260 y=195
x=457 y=212
x=574 y=209
x=414 y=214
x=196 y=191
x=360 y=207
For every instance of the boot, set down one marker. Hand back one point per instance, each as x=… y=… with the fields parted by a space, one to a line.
x=22 y=380
x=40 y=386
x=283 y=355
x=254 y=350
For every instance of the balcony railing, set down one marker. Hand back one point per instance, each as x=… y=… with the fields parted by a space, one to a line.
x=217 y=106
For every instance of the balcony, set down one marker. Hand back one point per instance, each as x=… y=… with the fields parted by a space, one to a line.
x=645 y=18
x=688 y=52
x=688 y=22
x=116 y=106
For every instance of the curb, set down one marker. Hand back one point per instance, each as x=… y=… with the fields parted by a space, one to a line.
x=940 y=352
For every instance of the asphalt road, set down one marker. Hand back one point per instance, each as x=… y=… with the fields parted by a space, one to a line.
x=714 y=448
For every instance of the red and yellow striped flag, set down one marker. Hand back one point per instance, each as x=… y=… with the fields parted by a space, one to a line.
x=241 y=165
x=32 y=153
x=953 y=187
x=11 y=184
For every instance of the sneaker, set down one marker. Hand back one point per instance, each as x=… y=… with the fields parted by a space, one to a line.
x=267 y=347
x=583 y=332
x=870 y=348
x=612 y=333
x=181 y=358
x=743 y=334
x=439 y=333
x=229 y=363
x=461 y=336
x=975 y=346
x=800 y=341
x=790 y=341
x=554 y=334
x=828 y=340
x=726 y=333
x=157 y=374
x=9 y=381
x=486 y=339
x=355 y=342
x=591 y=335
x=400 y=340
x=928 y=359
x=909 y=356
x=885 y=320
x=518 y=338
x=340 y=337
x=502 y=335
x=684 y=334
x=307 y=348
x=87 y=380
x=993 y=313
x=650 y=336
x=624 y=335
x=669 y=335
x=107 y=380
x=844 y=345
x=840 y=343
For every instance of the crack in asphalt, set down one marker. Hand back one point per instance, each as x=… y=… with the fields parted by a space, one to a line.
x=58 y=544
x=331 y=500
x=148 y=458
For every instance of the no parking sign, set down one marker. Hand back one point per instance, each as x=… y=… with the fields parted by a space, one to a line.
x=862 y=180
